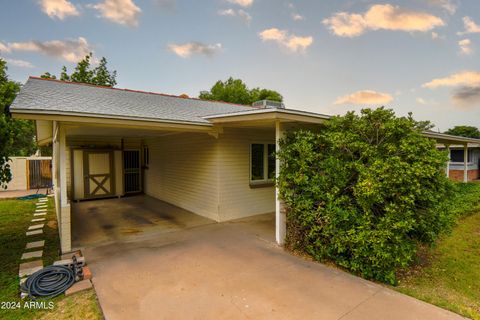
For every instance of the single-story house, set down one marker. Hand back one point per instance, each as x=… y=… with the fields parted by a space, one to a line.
x=211 y=158
x=464 y=155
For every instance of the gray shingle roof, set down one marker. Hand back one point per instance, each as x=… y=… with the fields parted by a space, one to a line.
x=50 y=96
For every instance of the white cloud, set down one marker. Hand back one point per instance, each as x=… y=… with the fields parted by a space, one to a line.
x=466 y=85
x=289 y=41
x=421 y=101
x=464 y=78
x=448 y=5
x=242 y=14
x=381 y=17
x=123 y=12
x=470 y=26
x=71 y=50
x=58 y=8
x=188 y=49
x=365 y=97
x=297 y=17
x=465 y=46
x=4 y=48
x=243 y=3
x=19 y=63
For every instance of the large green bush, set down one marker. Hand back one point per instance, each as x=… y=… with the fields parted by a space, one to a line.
x=364 y=191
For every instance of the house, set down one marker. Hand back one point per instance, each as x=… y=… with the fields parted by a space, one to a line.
x=464 y=155
x=210 y=158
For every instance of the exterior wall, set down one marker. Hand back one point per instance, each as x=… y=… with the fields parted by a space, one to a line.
x=183 y=171
x=237 y=198
x=457 y=175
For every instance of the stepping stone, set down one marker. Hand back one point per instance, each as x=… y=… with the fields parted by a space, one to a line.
x=41 y=210
x=43 y=199
x=41 y=207
x=38 y=204
x=79 y=286
x=34 y=232
x=29 y=268
x=36 y=226
x=39 y=214
x=38 y=220
x=33 y=254
x=35 y=244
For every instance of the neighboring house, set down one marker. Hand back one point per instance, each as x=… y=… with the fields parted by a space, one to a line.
x=211 y=158
x=464 y=155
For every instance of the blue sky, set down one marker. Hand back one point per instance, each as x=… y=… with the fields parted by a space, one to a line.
x=323 y=56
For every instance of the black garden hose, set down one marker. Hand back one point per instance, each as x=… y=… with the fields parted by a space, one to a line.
x=49 y=282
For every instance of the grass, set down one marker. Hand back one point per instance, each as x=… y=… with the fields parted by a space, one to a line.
x=448 y=275
x=15 y=217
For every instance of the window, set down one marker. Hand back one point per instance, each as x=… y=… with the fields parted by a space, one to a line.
x=262 y=163
x=457 y=155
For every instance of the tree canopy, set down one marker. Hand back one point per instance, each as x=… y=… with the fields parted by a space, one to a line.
x=464 y=131
x=85 y=73
x=236 y=91
x=17 y=136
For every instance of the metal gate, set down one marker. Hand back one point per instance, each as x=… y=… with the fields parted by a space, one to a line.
x=39 y=174
x=131 y=169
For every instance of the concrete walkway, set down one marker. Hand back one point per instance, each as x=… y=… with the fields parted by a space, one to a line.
x=235 y=271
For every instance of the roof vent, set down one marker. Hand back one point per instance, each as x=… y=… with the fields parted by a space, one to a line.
x=268 y=104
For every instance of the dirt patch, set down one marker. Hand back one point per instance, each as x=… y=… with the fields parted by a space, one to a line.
x=52 y=224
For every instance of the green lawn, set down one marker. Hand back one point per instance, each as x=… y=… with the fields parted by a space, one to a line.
x=448 y=275
x=15 y=217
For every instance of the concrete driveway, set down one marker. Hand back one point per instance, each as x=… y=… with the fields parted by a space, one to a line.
x=235 y=271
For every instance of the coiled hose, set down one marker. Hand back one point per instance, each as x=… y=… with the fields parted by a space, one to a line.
x=50 y=282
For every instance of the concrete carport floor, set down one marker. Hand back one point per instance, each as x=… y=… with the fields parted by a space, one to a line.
x=234 y=270
x=124 y=219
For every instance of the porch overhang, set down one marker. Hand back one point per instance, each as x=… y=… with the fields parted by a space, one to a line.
x=448 y=139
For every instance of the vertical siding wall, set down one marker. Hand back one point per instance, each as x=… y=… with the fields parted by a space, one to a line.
x=183 y=171
x=237 y=199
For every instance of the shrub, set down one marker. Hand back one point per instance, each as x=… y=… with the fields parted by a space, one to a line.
x=364 y=191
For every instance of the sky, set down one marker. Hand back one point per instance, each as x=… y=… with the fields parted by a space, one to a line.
x=419 y=56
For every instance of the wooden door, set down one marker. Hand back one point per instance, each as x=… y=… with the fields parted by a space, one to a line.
x=98 y=174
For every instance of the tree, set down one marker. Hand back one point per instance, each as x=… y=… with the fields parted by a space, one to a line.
x=464 y=131
x=364 y=191
x=236 y=91
x=84 y=73
x=17 y=137
x=48 y=75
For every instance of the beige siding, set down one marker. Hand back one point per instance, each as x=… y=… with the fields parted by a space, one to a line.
x=183 y=171
x=237 y=198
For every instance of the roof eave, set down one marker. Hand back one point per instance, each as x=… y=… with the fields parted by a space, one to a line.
x=105 y=119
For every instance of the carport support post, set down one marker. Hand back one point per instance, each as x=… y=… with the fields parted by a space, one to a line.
x=280 y=218
x=465 y=163
x=64 y=223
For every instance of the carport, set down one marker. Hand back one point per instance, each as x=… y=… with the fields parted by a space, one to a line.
x=125 y=219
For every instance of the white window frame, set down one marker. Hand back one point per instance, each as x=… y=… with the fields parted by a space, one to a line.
x=265 y=180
